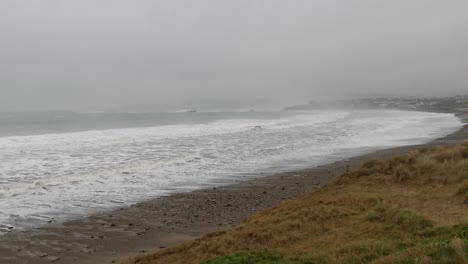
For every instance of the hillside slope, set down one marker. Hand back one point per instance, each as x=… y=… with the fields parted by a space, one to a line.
x=411 y=208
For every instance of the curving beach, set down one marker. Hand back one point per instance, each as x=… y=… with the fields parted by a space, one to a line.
x=170 y=220
x=233 y=132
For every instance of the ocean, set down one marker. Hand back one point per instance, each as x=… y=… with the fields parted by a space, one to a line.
x=59 y=166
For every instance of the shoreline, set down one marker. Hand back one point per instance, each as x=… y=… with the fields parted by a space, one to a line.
x=170 y=220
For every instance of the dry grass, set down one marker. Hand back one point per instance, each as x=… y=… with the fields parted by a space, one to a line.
x=443 y=164
x=405 y=209
x=460 y=247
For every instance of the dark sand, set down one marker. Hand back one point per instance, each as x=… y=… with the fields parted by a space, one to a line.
x=167 y=221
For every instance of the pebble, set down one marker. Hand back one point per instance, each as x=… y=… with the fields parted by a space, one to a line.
x=53 y=259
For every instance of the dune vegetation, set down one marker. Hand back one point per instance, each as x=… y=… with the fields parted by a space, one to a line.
x=410 y=208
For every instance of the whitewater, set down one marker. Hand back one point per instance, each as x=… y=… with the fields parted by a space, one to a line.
x=59 y=174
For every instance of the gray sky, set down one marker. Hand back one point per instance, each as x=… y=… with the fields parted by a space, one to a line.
x=115 y=54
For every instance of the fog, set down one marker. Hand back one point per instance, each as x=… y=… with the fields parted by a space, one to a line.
x=87 y=55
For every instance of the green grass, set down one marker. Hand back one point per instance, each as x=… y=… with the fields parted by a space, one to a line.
x=443 y=244
x=264 y=257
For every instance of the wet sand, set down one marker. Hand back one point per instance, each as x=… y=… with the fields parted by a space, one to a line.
x=167 y=221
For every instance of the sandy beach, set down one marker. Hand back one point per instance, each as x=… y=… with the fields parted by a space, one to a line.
x=111 y=237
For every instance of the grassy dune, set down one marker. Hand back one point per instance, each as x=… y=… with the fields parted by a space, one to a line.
x=411 y=208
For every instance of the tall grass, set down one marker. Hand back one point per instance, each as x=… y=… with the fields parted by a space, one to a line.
x=442 y=164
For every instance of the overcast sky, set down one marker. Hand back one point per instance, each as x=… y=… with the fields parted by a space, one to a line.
x=115 y=54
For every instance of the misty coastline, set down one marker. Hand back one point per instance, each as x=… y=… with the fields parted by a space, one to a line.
x=259 y=182
x=171 y=158
x=129 y=127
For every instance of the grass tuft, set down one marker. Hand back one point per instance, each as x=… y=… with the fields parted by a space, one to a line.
x=461 y=249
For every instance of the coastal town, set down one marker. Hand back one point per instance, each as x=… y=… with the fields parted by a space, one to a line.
x=440 y=104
